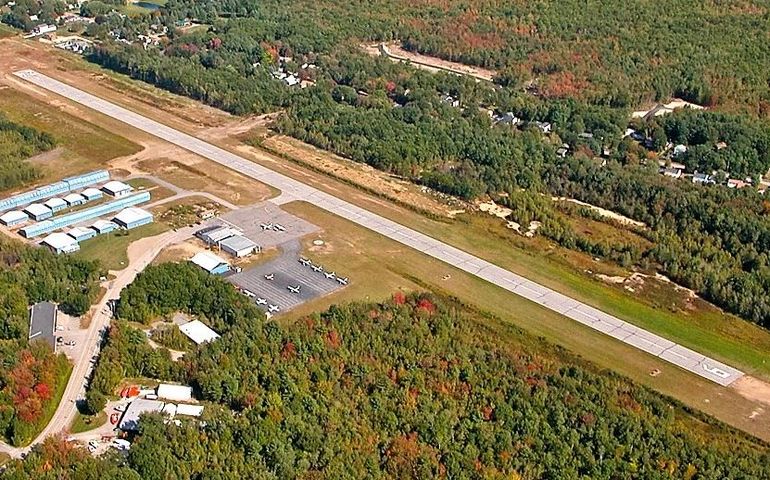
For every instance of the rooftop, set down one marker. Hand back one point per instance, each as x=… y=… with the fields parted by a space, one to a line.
x=37 y=209
x=130 y=420
x=74 y=197
x=55 y=203
x=60 y=241
x=207 y=260
x=199 y=332
x=116 y=186
x=131 y=215
x=238 y=243
x=42 y=322
x=14 y=216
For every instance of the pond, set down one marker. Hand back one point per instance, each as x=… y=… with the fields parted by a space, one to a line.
x=148 y=5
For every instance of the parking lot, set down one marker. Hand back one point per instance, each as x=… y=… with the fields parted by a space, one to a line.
x=250 y=221
x=286 y=271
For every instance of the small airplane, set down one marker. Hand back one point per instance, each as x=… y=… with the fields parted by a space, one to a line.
x=342 y=280
x=248 y=293
x=304 y=261
x=294 y=289
x=261 y=301
x=279 y=228
x=330 y=275
x=266 y=226
x=273 y=308
x=317 y=268
x=269 y=276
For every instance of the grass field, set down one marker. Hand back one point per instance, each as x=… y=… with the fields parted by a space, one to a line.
x=84 y=423
x=86 y=146
x=378 y=267
x=111 y=249
x=6 y=31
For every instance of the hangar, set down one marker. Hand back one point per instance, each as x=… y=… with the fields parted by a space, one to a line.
x=132 y=217
x=13 y=218
x=179 y=393
x=238 y=246
x=130 y=420
x=38 y=211
x=211 y=263
x=103 y=226
x=92 y=194
x=75 y=199
x=55 y=204
x=61 y=243
x=117 y=189
x=81 y=233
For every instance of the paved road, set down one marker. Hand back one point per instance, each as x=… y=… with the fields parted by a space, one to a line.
x=81 y=370
x=294 y=190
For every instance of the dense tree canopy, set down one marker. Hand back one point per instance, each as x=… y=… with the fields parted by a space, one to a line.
x=416 y=387
x=18 y=143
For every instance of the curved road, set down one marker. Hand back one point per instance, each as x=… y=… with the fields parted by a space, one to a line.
x=81 y=370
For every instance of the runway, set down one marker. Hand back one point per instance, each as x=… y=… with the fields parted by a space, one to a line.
x=293 y=190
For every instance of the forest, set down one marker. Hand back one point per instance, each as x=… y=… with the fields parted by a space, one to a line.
x=418 y=386
x=31 y=375
x=17 y=144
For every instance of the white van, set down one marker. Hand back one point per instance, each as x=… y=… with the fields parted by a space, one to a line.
x=121 y=444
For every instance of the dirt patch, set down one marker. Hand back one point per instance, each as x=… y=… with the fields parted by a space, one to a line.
x=179 y=252
x=396 y=53
x=358 y=174
x=603 y=212
x=753 y=389
x=46 y=157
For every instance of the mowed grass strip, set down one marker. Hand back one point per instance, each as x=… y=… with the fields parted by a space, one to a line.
x=378 y=266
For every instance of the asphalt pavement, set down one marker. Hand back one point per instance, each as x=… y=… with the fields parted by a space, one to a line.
x=294 y=190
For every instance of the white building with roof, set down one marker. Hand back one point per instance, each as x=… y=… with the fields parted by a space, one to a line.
x=74 y=199
x=13 y=218
x=60 y=242
x=178 y=393
x=189 y=410
x=55 y=204
x=238 y=246
x=199 y=332
x=92 y=194
x=81 y=233
x=132 y=217
x=116 y=188
x=215 y=235
x=211 y=263
x=38 y=211
x=130 y=420
x=104 y=226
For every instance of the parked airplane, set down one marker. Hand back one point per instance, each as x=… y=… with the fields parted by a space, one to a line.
x=330 y=275
x=266 y=226
x=261 y=301
x=294 y=289
x=279 y=228
x=269 y=276
x=273 y=308
x=248 y=293
x=317 y=268
x=304 y=261
x=342 y=281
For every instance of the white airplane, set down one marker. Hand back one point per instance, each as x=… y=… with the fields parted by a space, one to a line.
x=294 y=289
x=261 y=301
x=266 y=226
x=317 y=268
x=330 y=275
x=273 y=308
x=279 y=228
x=304 y=261
x=269 y=276
x=342 y=281
x=248 y=293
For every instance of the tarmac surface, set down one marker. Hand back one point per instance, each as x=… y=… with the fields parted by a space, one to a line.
x=249 y=221
x=42 y=322
x=294 y=190
x=286 y=270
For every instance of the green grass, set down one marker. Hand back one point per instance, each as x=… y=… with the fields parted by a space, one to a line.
x=85 y=423
x=378 y=266
x=111 y=249
x=87 y=146
x=725 y=337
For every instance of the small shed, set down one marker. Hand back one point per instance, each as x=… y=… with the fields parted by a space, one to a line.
x=13 y=218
